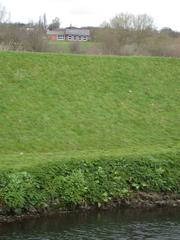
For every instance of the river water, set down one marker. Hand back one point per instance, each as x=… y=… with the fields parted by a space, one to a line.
x=126 y=224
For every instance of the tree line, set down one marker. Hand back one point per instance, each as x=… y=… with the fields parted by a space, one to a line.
x=25 y=37
x=128 y=34
x=124 y=34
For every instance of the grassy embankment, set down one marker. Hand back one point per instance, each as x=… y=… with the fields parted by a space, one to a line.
x=77 y=129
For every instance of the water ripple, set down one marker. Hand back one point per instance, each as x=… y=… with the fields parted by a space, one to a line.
x=122 y=225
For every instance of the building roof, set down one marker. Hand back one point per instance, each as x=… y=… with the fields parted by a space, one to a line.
x=70 y=31
x=78 y=31
x=56 y=32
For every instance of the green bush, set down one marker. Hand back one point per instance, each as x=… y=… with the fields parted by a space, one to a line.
x=70 y=188
x=93 y=181
x=19 y=191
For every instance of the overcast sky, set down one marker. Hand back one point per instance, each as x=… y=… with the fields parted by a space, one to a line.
x=166 y=13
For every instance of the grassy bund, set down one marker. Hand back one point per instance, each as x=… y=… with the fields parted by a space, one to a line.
x=85 y=130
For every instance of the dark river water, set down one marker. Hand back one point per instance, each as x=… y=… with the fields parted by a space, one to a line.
x=122 y=224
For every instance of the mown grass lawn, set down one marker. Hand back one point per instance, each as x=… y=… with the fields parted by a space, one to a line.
x=52 y=106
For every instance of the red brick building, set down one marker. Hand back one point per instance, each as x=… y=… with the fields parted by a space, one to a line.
x=69 y=34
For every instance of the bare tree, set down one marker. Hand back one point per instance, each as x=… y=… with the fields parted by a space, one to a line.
x=132 y=22
x=104 y=24
x=125 y=33
x=22 y=37
x=43 y=21
x=4 y=15
x=74 y=47
x=55 y=24
x=122 y=21
x=143 y=22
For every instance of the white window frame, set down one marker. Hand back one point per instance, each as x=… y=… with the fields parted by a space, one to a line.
x=60 y=37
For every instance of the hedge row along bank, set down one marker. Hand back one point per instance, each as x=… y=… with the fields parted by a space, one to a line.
x=88 y=182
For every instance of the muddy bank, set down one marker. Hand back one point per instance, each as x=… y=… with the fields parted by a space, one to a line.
x=135 y=200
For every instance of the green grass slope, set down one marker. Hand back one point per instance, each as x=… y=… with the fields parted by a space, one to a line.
x=58 y=105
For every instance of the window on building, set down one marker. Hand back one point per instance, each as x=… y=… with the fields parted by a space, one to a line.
x=69 y=37
x=84 y=38
x=60 y=37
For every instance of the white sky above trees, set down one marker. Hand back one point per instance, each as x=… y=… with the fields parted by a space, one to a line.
x=166 y=13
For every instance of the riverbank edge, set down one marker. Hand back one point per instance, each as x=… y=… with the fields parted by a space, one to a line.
x=141 y=200
x=91 y=183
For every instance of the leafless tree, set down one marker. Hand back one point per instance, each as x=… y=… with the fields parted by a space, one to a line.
x=55 y=24
x=143 y=22
x=128 y=34
x=74 y=47
x=43 y=21
x=104 y=24
x=122 y=21
x=23 y=37
x=130 y=21
x=4 y=15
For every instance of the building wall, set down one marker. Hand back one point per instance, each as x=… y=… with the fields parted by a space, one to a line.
x=52 y=37
x=77 y=38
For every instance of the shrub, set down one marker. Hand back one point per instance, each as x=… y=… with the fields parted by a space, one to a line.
x=93 y=181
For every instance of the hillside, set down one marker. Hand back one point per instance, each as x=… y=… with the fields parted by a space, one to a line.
x=52 y=105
